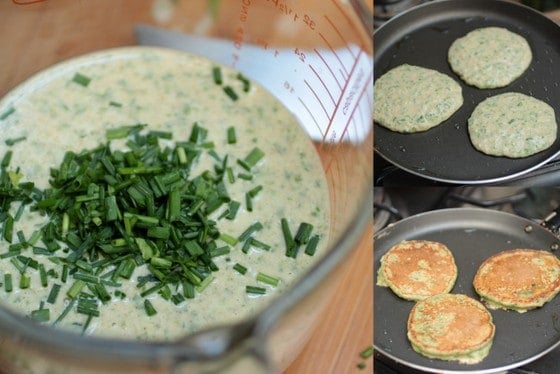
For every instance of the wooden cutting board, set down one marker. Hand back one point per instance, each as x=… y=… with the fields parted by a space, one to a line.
x=37 y=35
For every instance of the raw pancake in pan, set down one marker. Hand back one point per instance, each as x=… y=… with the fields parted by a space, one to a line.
x=417 y=269
x=410 y=99
x=513 y=125
x=518 y=279
x=451 y=327
x=490 y=57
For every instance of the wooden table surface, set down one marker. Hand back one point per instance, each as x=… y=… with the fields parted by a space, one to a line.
x=36 y=35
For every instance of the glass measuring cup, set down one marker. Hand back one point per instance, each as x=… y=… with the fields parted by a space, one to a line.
x=315 y=56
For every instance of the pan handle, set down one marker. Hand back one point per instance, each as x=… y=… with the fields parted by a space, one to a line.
x=552 y=222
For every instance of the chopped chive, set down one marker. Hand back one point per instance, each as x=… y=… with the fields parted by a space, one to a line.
x=245 y=176
x=249 y=231
x=6 y=159
x=288 y=239
x=65 y=312
x=81 y=79
x=220 y=251
x=258 y=244
x=8 y=286
x=230 y=175
x=304 y=232
x=264 y=278
x=246 y=82
x=231 y=93
x=367 y=352
x=11 y=142
x=43 y=275
x=255 y=290
x=217 y=75
x=8 y=229
x=233 y=209
x=177 y=298
x=40 y=315
x=205 y=282
x=188 y=289
x=248 y=202
x=24 y=281
x=53 y=294
x=246 y=246
x=228 y=239
x=149 y=308
x=115 y=104
x=311 y=246
x=253 y=157
x=7 y=113
x=231 y=136
x=240 y=268
x=76 y=288
x=254 y=191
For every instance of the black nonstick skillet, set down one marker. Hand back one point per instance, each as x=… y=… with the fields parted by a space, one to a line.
x=472 y=234
x=422 y=36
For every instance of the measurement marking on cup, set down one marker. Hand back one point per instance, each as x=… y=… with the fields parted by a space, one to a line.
x=337 y=31
x=351 y=86
x=328 y=76
x=322 y=83
x=345 y=73
x=322 y=58
x=318 y=99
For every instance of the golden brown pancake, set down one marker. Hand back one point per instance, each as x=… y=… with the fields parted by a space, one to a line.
x=451 y=327
x=518 y=279
x=417 y=269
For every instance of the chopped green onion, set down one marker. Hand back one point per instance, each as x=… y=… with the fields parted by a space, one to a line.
x=81 y=79
x=115 y=104
x=8 y=229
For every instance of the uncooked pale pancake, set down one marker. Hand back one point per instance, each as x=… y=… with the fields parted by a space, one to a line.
x=417 y=269
x=518 y=279
x=512 y=125
x=451 y=327
x=490 y=57
x=411 y=99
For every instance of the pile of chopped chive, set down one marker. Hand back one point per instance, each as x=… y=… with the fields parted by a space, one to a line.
x=111 y=211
